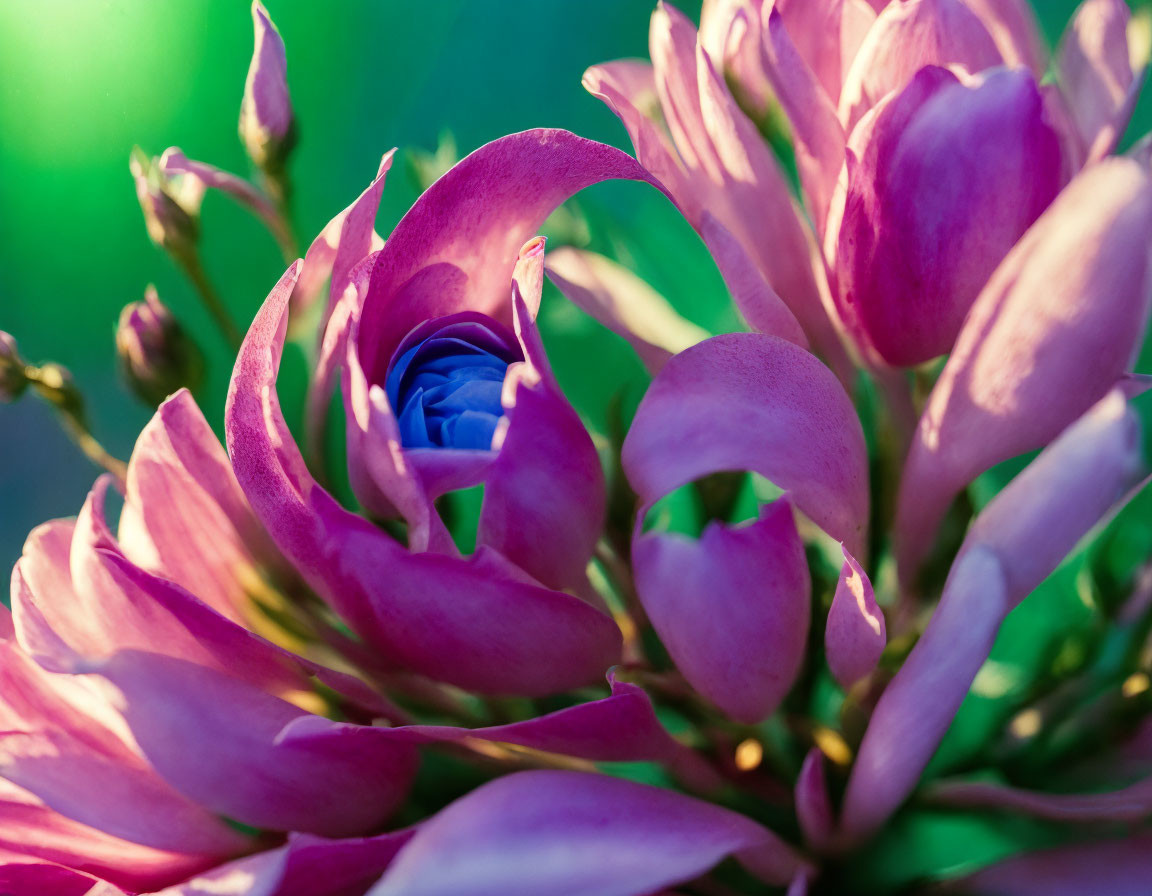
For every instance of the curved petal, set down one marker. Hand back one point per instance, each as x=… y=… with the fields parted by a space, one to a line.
x=813 y=805
x=1055 y=328
x=1013 y=26
x=174 y=162
x=751 y=402
x=568 y=832
x=184 y=515
x=306 y=866
x=1096 y=72
x=451 y=619
x=23 y=878
x=856 y=634
x=1130 y=804
x=623 y=303
x=345 y=240
x=906 y=37
x=732 y=608
x=1017 y=540
x=475 y=219
x=626 y=87
x=222 y=742
x=820 y=137
x=1116 y=867
x=31 y=831
x=934 y=205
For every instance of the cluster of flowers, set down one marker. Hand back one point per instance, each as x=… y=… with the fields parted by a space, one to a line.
x=233 y=692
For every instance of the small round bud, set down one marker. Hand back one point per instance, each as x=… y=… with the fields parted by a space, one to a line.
x=12 y=377
x=156 y=355
x=267 y=125
x=172 y=225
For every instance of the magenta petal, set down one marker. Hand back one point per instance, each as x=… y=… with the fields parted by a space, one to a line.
x=184 y=515
x=568 y=832
x=227 y=745
x=544 y=496
x=731 y=608
x=1016 y=541
x=819 y=135
x=462 y=621
x=1056 y=327
x=1096 y=73
x=856 y=634
x=306 y=866
x=474 y=220
x=63 y=742
x=924 y=224
x=906 y=37
x=1130 y=804
x=619 y=728
x=23 y=878
x=1112 y=867
x=31 y=832
x=751 y=402
x=266 y=110
x=813 y=805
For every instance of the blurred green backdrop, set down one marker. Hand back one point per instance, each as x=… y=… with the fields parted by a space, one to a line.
x=85 y=80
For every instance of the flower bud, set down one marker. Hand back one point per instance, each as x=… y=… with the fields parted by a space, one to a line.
x=156 y=355
x=171 y=216
x=12 y=378
x=267 y=127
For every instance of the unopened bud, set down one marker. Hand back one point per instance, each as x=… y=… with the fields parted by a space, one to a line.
x=156 y=355
x=172 y=217
x=267 y=126
x=12 y=366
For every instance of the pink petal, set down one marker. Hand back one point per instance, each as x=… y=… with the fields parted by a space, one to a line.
x=1130 y=804
x=1017 y=540
x=856 y=633
x=1112 y=867
x=1013 y=26
x=266 y=110
x=568 y=832
x=732 y=608
x=813 y=804
x=228 y=745
x=184 y=515
x=306 y=866
x=750 y=402
x=1096 y=72
x=1055 y=328
x=473 y=222
x=819 y=135
x=906 y=37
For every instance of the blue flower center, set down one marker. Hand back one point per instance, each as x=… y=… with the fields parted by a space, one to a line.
x=445 y=380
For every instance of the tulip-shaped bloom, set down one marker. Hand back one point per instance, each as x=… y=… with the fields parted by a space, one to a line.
x=446 y=386
x=891 y=107
x=1057 y=326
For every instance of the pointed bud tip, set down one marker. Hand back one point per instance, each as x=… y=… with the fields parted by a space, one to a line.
x=267 y=124
x=156 y=355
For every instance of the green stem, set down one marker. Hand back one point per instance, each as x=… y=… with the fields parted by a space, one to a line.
x=195 y=272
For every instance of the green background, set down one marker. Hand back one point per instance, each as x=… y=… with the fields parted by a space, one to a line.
x=82 y=81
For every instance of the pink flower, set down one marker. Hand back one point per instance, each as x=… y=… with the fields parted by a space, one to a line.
x=911 y=203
